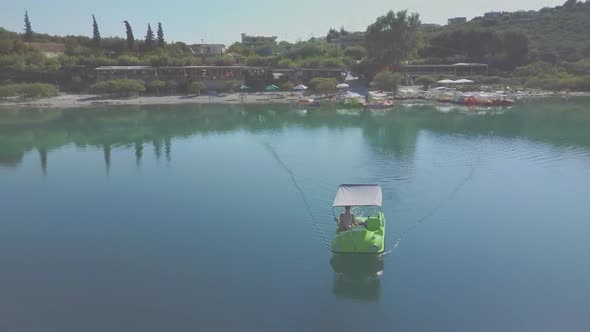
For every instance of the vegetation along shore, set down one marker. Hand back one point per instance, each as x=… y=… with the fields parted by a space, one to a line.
x=520 y=54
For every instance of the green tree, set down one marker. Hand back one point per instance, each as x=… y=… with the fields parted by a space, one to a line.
x=156 y=86
x=149 y=38
x=425 y=81
x=516 y=45
x=95 y=33
x=332 y=35
x=387 y=81
x=323 y=84
x=570 y=3
x=393 y=37
x=161 y=41
x=28 y=36
x=130 y=37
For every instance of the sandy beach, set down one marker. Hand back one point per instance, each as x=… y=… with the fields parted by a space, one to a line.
x=405 y=95
x=85 y=100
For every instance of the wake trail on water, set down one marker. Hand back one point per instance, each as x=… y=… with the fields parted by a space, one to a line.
x=432 y=212
x=314 y=221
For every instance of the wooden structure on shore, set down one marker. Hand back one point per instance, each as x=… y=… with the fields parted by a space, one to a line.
x=216 y=77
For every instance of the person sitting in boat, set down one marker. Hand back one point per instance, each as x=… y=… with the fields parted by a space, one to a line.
x=346 y=220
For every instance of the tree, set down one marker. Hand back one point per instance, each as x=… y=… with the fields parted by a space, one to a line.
x=130 y=38
x=570 y=3
x=156 y=86
x=387 y=81
x=516 y=45
x=95 y=33
x=149 y=38
x=323 y=84
x=332 y=35
x=426 y=81
x=161 y=41
x=393 y=37
x=28 y=30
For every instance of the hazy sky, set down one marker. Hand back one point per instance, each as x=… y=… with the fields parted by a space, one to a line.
x=222 y=21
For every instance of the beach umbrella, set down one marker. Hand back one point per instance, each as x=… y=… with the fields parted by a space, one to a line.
x=343 y=86
x=300 y=87
x=272 y=88
x=446 y=82
x=243 y=87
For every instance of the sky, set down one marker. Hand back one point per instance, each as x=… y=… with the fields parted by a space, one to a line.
x=222 y=21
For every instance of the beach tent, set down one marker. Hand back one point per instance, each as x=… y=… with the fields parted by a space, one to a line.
x=446 y=82
x=300 y=87
x=272 y=88
x=343 y=86
x=243 y=87
x=464 y=81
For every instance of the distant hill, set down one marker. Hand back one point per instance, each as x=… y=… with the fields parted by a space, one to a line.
x=563 y=29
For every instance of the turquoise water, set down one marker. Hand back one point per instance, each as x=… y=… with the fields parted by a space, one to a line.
x=211 y=218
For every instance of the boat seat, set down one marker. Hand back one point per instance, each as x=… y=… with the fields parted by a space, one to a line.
x=373 y=224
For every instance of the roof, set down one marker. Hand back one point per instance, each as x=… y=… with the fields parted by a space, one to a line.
x=124 y=68
x=359 y=195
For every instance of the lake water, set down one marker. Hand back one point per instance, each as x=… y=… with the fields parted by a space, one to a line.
x=212 y=218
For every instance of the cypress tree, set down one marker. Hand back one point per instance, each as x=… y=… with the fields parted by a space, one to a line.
x=28 y=30
x=149 y=38
x=130 y=38
x=161 y=41
x=95 y=32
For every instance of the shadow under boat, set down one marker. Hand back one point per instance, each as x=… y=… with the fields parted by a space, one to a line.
x=357 y=277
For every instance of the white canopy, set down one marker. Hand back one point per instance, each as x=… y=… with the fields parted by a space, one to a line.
x=343 y=86
x=464 y=81
x=446 y=82
x=300 y=87
x=358 y=195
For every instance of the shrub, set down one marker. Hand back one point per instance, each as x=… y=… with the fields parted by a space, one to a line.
x=286 y=63
x=126 y=60
x=196 y=88
x=356 y=52
x=425 y=81
x=287 y=86
x=8 y=90
x=156 y=86
x=29 y=90
x=39 y=90
x=171 y=86
x=387 y=81
x=570 y=83
x=122 y=87
x=159 y=60
x=323 y=84
x=230 y=86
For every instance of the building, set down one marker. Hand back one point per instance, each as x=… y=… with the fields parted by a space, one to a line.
x=207 y=49
x=349 y=39
x=457 y=20
x=258 y=40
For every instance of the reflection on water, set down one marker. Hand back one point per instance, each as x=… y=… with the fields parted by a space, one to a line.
x=357 y=277
x=393 y=133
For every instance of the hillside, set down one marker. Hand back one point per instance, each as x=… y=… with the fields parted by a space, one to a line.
x=563 y=29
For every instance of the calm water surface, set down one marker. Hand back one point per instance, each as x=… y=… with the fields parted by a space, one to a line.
x=216 y=218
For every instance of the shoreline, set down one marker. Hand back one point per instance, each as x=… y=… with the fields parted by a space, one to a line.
x=413 y=95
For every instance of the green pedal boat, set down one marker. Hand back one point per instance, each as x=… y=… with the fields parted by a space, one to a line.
x=368 y=235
